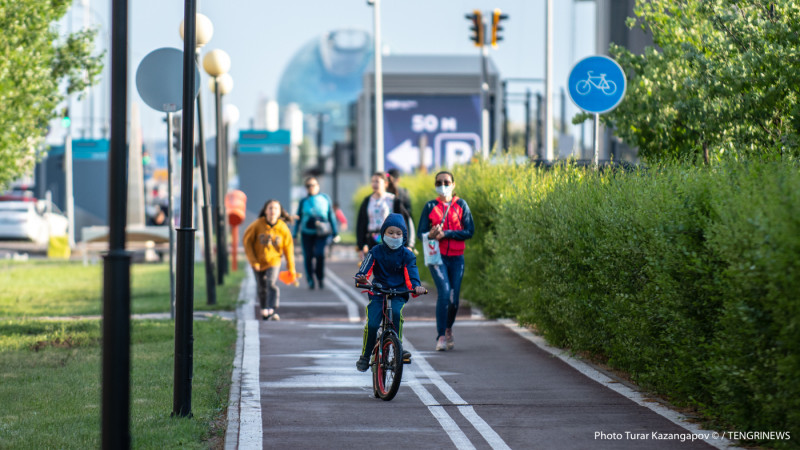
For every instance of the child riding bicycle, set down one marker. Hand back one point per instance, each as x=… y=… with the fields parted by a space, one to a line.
x=394 y=266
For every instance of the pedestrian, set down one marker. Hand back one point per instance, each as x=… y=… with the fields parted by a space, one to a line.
x=374 y=209
x=316 y=222
x=265 y=241
x=393 y=266
x=447 y=220
x=393 y=177
x=340 y=217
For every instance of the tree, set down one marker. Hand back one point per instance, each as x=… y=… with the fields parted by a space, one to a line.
x=722 y=80
x=37 y=68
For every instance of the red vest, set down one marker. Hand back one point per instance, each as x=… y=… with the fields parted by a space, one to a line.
x=448 y=247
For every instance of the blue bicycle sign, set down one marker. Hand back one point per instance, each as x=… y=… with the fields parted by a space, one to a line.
x=606 y=86
x=596 y=84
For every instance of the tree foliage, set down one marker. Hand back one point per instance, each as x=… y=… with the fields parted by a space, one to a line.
x=722 y=76
x=37 y=69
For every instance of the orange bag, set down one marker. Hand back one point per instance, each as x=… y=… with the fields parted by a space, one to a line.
x=289 y=278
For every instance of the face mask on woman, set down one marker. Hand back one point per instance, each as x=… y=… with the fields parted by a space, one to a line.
x=393 y=243
x=445 y=191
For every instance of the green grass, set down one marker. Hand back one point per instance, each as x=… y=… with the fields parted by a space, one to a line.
x=69 y=288
x=51 y=393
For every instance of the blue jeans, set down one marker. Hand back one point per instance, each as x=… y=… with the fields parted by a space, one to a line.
x=374 y=317
x=314 y=252
x=447 y=277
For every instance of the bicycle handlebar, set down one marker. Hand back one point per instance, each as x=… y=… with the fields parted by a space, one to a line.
x=377 y=288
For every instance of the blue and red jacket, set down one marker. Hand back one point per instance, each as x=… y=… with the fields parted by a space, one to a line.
x=396 y=268
x=458 y=225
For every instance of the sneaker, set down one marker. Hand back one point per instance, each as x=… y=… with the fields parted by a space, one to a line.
x=362 y=364
x=406 y=357
x=275 y=317
x=311 y=285
x=321 y=285
x=448 y=337
x=441 y=345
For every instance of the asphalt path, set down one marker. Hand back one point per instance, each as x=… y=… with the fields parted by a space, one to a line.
x=496 y=389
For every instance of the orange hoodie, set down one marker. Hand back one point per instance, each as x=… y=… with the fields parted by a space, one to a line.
x=264 y=244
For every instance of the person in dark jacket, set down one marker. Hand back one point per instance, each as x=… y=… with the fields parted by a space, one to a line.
x=394 y=266
x=447 y=219
x=373 y=211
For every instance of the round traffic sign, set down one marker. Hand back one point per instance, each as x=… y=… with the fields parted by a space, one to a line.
x=597 y=84
x=159 y=79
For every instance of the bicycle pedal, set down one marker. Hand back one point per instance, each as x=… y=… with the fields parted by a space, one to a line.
x=407 y=360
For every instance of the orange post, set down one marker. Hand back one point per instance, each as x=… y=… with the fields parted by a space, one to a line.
x=235 y=207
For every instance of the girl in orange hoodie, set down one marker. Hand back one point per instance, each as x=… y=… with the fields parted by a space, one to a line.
x=265 y=240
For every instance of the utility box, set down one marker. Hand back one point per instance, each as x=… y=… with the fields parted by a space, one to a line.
x=265 y=169
x=89 y=181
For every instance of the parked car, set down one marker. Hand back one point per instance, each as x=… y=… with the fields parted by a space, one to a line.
x=31 y=220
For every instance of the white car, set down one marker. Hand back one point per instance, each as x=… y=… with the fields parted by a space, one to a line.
x=31 y=220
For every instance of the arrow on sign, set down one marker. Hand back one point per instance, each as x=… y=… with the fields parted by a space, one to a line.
x=406 y=156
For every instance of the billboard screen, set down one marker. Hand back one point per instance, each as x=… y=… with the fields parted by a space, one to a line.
x=450 y=124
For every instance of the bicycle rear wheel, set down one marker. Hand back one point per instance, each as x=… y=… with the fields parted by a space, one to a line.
x=388 y=368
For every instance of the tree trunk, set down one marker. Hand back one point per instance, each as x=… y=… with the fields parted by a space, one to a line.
x=705 y=153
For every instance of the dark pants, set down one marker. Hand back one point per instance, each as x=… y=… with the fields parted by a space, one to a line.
x=447 y=277
x=314 y=256
x=267 y=283
x=374 y=318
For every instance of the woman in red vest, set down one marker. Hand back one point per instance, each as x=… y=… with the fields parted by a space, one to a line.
x=447 y=219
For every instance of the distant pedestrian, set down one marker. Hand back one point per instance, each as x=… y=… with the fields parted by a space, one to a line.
x=265 y=241
x=393 y=176
x=318 y=227
x=340 y=217
x=448 y=221
x=375 y=208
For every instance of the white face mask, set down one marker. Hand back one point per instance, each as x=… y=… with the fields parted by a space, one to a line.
x=393 y=243
x=445 y=191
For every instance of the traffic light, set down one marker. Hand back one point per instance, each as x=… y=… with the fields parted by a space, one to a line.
x=65 y=119
x=476 y=28
x=176 y=133
x=497 y=17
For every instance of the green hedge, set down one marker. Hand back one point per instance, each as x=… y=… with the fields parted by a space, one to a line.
x=687 y=278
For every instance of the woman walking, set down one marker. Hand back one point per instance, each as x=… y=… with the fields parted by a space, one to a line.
x=317 y=225
x=265 y=240
x=375 y=208
x=447 y=220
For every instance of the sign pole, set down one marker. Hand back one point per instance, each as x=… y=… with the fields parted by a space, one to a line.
x=170 y=217
x=596 y=139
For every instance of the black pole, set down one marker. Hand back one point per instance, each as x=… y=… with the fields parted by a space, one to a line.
x=528 y=149
x=563 y=111
x=539 y=143
x=505 y=118
x=115 y=413
x=320 y=161
x=184 y=298
x=225 y=158
x=222 y=255
x=208 y=225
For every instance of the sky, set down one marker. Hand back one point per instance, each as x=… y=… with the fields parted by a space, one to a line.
x=261 y=36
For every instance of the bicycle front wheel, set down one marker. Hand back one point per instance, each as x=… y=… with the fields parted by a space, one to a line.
x=388 y=367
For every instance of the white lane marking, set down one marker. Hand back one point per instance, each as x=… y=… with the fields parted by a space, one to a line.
x=449 y=425
x=302 y=304
x=352 y=307
x=594 y=374
x=350 y=290
x=491 y=436
x=250 y=433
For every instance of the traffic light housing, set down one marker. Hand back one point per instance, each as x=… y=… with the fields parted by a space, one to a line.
x=476 y=28
x=66 y=121
x=497 y=18
x=176 y=133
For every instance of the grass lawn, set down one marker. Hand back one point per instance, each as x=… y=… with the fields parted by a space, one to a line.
x=45 y=288
x=51 y=393
x=50 y=378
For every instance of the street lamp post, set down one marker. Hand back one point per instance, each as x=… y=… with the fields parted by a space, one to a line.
x=224 y=83
x=204 y=31
x=217 y=63
x=376 y=19
x=184 y=298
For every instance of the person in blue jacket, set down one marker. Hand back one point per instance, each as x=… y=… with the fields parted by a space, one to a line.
x=393 y=265
x=316 y=221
